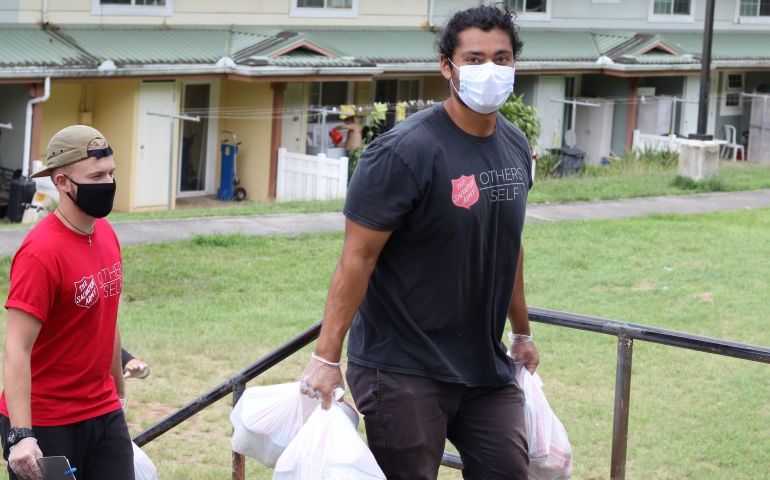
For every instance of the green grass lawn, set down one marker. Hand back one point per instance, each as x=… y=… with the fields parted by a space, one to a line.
x=643 y=182
x=219 y=209
x=200 y=310
x=229 y=209
x=601 y=185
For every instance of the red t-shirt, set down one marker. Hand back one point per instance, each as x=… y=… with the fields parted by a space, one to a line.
x=73 y=288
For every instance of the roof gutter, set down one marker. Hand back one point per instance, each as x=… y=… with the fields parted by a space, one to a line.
x=171 y=70
x=433 y=67
x=28 y=124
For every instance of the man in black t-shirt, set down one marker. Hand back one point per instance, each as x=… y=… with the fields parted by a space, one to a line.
x=432 y=266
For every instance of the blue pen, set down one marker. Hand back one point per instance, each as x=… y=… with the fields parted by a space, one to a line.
x=71 y=471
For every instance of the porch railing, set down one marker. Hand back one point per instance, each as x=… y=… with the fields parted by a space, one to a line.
x=625 y=332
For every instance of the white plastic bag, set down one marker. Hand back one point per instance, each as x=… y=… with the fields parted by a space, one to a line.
x=550 y=453
x=267 y=418
x=327 y=448
x=143 y=466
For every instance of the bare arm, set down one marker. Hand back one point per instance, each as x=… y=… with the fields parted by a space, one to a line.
x=21 y=332
x=360 y=252
x=522 y=348
x=517 y=311
x=117 y=365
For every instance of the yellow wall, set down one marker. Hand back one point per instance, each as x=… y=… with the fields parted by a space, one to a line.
x=115 y=105
x=434 y=88
x=394 y=13
x=363 y=93
x=61 y=110
x=253 y=159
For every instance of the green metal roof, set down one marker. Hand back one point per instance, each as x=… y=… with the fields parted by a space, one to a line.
x=380 y=46
x=608 y=41
x=131 y=45
x=35 y=47
x=726 y=45
x=558 y=46
x=86 y=47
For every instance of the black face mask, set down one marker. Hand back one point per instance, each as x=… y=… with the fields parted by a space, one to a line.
x=94 y=199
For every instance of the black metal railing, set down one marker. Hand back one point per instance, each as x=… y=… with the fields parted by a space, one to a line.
x=625 y=332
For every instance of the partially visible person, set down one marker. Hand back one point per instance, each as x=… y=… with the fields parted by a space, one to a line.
x=132 y=366
x=62 y=374
x=354 y=137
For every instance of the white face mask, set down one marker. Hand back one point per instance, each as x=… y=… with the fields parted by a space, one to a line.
x=485 y=88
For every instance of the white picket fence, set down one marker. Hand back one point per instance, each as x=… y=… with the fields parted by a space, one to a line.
x=309 y=177
x=646 y=142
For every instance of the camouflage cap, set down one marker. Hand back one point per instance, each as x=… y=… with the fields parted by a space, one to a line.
x=73 y=144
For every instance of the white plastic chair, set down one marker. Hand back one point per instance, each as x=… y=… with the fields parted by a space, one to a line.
x=730 y=134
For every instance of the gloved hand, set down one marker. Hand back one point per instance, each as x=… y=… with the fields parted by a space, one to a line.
x=524 y=352
x=322 y=379
x=23 y=459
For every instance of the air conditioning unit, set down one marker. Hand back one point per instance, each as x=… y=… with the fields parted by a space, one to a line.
x=593 y=129
x=759 y=130
x=654 y=115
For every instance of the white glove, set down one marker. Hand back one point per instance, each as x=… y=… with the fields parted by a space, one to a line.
x=23 y=459
x=322 y=379
x=524 y=352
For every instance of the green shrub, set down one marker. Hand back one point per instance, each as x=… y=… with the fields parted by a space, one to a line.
x=545 y=166
x=524 y=117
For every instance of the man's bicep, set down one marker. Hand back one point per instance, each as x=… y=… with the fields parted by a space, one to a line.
x=21 y=329
x=363 y=241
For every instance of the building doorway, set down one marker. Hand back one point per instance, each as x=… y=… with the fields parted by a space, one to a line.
x=198 y=148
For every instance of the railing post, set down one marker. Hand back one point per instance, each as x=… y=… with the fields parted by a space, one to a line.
x=620 y=417
x=239 y=461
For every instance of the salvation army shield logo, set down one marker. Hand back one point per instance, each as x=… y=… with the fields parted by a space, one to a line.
x=86 y=292
x=465 y=192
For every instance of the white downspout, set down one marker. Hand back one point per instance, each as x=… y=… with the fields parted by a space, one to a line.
x=45 y=12
x=28 y=125
x=430 y=13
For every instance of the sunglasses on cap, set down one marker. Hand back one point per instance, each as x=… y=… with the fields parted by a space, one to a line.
x=100 y=152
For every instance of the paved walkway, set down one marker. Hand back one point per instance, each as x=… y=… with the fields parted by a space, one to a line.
x=155 y=231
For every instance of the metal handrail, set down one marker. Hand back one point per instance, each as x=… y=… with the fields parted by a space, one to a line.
x=651 y=334
x=626 y=333
x=225 y=388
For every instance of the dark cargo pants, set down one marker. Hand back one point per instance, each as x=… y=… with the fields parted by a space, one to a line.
x=409 y=418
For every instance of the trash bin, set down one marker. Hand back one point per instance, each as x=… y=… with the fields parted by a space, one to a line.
x=22 y=191
x=571 y=160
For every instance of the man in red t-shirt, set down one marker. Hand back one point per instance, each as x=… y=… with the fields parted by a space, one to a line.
x=62 y=374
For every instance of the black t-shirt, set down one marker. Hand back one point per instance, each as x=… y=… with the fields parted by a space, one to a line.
x=438 y=298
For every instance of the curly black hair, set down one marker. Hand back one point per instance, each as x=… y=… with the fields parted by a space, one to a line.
x=485 y=17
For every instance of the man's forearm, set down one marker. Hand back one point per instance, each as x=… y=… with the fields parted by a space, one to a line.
x=117 y=365
x=17 y=380
x=517 y=311
x=346 y=293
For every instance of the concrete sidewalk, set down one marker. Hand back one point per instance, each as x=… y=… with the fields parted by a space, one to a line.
x=156 y=231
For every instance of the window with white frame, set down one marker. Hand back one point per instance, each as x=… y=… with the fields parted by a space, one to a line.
x=531 y=9
x=753 y=11
x=133 y=7
x=672 y=10
x=732 y=100
x=324 y=8
x=755 y=8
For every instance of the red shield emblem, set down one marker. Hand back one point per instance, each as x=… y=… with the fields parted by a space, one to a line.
x=465 y=192
x=86 y=292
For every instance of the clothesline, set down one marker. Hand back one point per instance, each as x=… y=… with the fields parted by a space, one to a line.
x=400 y=108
